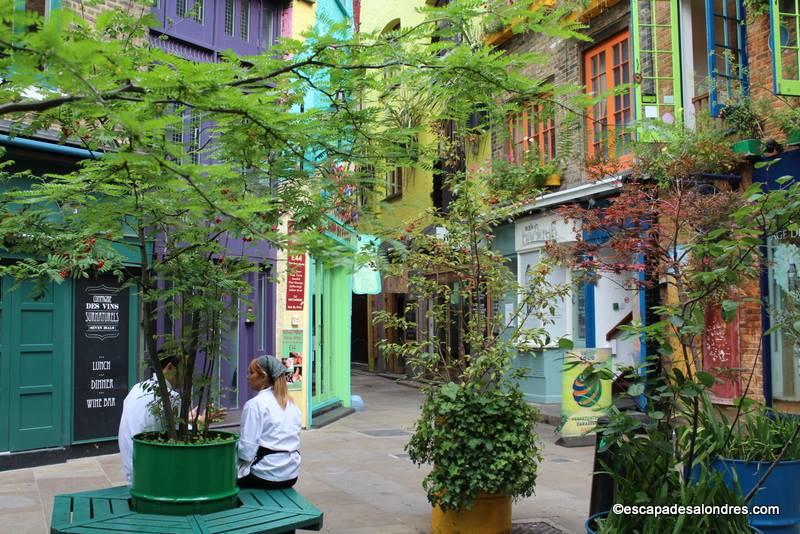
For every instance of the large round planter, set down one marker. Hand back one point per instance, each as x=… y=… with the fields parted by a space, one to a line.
x=490 y=514
x=782 y=488
x=184 y=478
x=591 y=524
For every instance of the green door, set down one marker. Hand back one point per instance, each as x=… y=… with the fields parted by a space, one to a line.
x=33 y=348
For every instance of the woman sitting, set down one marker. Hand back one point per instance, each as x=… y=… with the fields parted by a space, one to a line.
x=269 y=445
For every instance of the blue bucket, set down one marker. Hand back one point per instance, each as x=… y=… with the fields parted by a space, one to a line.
x=782 y=489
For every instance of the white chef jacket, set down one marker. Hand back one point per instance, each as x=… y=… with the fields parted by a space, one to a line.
x=265 y=424
x=137 y=417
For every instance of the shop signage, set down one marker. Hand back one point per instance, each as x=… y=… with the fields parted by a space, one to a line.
x=101 y=357
x=292 y=356
x=295 y=282
x=583 y=401
x=367 y=277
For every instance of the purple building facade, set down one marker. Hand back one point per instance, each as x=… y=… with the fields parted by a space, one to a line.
x=199 y=30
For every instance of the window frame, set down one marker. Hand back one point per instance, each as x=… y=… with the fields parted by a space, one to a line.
x=607 y=47
x=394 y=183
x=715 y=103
x=783 y=86
x=229 y=29
x=534 y=133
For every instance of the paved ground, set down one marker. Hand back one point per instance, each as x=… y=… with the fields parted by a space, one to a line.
x=355 y=470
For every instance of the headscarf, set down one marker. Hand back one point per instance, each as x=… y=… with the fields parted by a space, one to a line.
x=272 y=366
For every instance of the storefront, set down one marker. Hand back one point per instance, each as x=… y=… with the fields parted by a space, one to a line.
x=67 y=355
x=780 y=287
x=314 y=299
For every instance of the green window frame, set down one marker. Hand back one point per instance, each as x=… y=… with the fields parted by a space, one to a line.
x=657 y=70
x=785 y=29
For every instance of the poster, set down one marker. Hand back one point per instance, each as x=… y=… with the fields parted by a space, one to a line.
x=295 y=282
x=292 y=356
x=581 y=403
x=101 y=357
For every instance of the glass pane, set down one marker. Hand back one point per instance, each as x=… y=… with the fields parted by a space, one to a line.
x=789 y=64
x=788 y=30
x=787 y=6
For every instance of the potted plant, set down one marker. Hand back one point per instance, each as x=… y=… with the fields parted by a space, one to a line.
x=745 y=125
x=788 y=120
x=758 y=454
x=699 y=246
x=475 y=429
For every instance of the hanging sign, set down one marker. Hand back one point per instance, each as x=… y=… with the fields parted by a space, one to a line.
x=583 y=403
x=367 y=277
x=101 y=357
x=295 y=282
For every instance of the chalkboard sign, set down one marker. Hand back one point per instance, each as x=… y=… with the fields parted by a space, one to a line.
x=101 y=357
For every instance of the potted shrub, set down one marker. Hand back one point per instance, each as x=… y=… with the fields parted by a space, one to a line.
x=475 y=429
x=745 y=126
x=788 y=120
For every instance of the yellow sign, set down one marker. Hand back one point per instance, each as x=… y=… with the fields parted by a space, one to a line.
x=582 y=401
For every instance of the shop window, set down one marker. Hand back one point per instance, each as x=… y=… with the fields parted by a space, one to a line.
x=784 y=302
x=607 y=70
x=532 y=129
x=785 y=47
x=559 y=324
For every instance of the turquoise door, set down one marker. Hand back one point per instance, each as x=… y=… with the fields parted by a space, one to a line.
x=34 y=338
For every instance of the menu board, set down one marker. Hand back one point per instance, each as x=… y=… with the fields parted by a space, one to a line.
x=101 y=357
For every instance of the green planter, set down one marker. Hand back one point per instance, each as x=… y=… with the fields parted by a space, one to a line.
x=748 y=147
x=793 y=138
x=184 y=479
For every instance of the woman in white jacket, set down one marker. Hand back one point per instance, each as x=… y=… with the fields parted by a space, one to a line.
x=269 y=444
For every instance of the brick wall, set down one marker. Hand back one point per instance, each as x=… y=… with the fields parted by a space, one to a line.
x=566 y=68
x=90 y=10
x=762 y=83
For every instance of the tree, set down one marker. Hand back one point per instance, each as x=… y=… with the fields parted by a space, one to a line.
x=176 y=203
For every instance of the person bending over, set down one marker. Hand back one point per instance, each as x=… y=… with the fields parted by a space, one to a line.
x=269 y=444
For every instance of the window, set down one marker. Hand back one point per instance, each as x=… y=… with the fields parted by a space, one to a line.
x=784 y=301
x=194 y=147
x=270 y=26
x=532 y=129
x=394 y=183
x=261 y=310
x=727 y=52
x=607 y=66
x=785 y=46
x=196 y=12
x=244 y=23
x=229 y=14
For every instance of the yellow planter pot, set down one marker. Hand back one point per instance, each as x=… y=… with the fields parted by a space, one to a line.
x=554 y=180
x=490 y=514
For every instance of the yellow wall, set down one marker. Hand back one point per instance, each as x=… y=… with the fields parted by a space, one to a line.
x=304 y=15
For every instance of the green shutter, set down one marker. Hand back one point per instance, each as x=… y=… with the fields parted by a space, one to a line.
x=785 y=18
x=657 y=64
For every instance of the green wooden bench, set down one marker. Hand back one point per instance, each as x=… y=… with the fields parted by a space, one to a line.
x=108 y=511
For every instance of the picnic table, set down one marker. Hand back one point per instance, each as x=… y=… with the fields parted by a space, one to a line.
x=108 y=511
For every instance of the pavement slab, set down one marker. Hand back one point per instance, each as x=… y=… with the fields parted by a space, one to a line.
x=355 y=470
